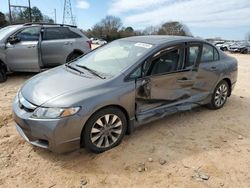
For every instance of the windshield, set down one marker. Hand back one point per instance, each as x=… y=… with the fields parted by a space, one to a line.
x=112 y=58
x=6 y=30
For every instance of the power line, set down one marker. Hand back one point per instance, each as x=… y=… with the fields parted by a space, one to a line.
x=19 y=6
x=67 y=13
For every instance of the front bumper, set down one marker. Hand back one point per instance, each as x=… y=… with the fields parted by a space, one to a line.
x=58 y=135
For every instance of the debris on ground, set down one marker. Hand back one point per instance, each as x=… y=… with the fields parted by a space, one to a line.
x=150 y=159
x=162 y=161
x=83 y=181
x=200 y=176
x=240 y=137
x=141 y=167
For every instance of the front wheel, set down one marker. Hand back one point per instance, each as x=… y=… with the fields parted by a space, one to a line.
x=3 y=75
x=219 y=97
x=104 y=130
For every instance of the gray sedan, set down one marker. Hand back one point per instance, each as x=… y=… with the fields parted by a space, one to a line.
x=94 y=101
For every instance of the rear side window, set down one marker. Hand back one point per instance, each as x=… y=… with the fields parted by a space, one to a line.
x=56 y=33
x=192 y=56
x=70 y=34
x=209 y=53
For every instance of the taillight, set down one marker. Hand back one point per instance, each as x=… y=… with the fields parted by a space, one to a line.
x=90 y=43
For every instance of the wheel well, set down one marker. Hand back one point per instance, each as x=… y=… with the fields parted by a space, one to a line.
x=229 y=84
x=114 y=106
x=77 y=52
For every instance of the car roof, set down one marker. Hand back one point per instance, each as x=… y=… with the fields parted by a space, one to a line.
x=44 y=24
x=160 y=39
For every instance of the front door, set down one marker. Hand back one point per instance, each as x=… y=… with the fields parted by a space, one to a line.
x=24 y=54
x=167 y=85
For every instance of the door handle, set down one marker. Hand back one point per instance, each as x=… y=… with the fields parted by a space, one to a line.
x=185 y=80
x=66 y=43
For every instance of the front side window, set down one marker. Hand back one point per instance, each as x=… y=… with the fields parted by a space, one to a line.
x=29 y=34
x=167 y=62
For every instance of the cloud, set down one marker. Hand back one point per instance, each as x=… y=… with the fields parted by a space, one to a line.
x=82 y=4
x=121 y=6
x=196 y=13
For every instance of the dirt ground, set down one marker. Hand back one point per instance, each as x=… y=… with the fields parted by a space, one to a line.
x=201 y=148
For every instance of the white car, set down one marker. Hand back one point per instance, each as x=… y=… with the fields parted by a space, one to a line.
x=101 y=42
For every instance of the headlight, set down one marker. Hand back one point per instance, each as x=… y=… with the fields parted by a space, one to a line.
x=53 y=113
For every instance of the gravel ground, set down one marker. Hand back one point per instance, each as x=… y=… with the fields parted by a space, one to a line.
x=198 y=148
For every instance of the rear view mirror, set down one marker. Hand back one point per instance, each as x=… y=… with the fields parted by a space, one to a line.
x=13 y=40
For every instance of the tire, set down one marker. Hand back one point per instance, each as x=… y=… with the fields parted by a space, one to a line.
x=220 y=95
x=3 y=76
x=73 y=56
x=104 y=130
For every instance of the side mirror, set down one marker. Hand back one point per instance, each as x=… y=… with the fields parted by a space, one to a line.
x=13 y=40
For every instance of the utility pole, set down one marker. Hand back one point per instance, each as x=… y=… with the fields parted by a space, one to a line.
x=19 y=6
x=67 y=13
x=30 y=12
x=55 y=14
x=10 y=16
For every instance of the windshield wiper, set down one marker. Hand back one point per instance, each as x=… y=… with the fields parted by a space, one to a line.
x=73 y=68
x=91 y=71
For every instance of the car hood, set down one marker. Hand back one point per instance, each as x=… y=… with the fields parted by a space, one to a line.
x=57 y=82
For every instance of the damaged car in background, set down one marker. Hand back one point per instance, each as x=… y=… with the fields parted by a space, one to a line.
x=240 y=47
x=94 y=101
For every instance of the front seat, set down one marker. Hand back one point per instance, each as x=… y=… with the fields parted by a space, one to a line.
x=166 y=63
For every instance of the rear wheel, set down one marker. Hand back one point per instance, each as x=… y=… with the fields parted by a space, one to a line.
x=3 y=76
x=220 y=95
x=104 y=130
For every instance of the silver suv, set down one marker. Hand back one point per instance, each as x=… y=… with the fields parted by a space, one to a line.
x=32 y=47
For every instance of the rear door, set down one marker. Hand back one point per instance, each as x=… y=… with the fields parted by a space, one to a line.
x=55 y=46
x=24 y=55
x=209 y=72
x=170 y=76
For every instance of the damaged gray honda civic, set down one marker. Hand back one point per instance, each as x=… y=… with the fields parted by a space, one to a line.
x=95 y=100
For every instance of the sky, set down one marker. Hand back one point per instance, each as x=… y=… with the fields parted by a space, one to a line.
x=228 y=19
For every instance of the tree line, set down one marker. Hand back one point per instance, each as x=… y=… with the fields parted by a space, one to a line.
x=20 y=16
x=111 y=28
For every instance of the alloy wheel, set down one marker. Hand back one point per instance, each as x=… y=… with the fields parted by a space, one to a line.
x=106 y=131
x=221 y=95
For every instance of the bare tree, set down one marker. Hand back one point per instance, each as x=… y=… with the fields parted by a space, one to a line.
x=174 y=28
x=108 y=28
